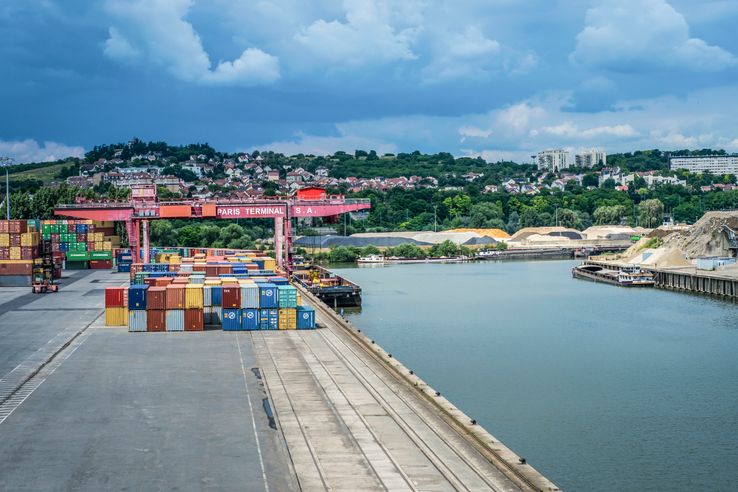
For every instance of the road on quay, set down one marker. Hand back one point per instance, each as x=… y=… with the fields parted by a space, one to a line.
x=301 y=410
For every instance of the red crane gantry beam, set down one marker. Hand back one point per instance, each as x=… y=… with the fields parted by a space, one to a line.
x=136 y=215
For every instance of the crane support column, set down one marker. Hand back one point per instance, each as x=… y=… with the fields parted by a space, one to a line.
x=146 y=250
x=134 y=239
x=279 y=240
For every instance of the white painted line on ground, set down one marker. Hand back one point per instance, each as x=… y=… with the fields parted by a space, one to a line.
x=253 y=419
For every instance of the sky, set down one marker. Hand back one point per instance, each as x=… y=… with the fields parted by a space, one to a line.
x=500 y=79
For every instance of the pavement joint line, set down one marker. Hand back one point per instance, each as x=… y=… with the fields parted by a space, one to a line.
x=9 y=405
x=253 y=419
x=18 y=382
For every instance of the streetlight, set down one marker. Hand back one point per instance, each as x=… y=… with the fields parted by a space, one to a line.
x=6 y=162
x=435 y=221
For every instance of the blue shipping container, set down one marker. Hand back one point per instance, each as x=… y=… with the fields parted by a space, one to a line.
x=268 y=296
x=137 y=296
x=136 y=321
x=174 y=320
x=124 y=268
x=268 y=319
x=279 y=280
x=231 y=319
x=81 y=228
x=305 y=318
x=250 y=319
x=216 y=295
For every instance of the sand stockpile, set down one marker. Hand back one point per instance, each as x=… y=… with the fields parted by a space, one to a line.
x=705 y=237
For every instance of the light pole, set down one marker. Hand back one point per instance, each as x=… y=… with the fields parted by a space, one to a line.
x=6 y=162
x=435 y=219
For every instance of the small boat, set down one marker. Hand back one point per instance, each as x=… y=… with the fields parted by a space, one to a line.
x=626 y=276
x=371 y=259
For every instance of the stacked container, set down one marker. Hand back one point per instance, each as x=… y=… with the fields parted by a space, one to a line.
x=116 y=312
x=156 y=304
x=19 y=251
x=137 y=320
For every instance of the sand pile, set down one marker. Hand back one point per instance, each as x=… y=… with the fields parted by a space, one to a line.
x=705 y=237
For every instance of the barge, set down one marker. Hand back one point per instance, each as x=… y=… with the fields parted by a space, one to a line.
x=333 y=290
x=627 y=276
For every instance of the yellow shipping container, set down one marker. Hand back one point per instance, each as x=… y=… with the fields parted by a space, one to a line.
x=288 y=319
x=116 y=316
x=107 y=246
x=18 y=262
x=299 y=299
x=99 y=237
x=270 y=264
x=212 y=281
x=4 y=240
x=29 y=239
x=15 y=253
x=193 y=296
x=175 y=259
x=98 y=246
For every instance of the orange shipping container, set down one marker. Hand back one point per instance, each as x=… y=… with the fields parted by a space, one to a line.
x=175 y=296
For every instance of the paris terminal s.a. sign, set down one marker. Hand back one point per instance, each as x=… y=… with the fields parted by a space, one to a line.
x=266 y=211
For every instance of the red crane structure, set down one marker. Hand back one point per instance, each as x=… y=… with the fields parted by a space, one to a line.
x=144 y=206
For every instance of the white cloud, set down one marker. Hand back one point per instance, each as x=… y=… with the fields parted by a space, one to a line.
x=572 y=131
x=158 y=28
x=118 y=47
x=474 y=132
x=519 y=116
x=628 y=35
x=28 y=150
x=366 y=37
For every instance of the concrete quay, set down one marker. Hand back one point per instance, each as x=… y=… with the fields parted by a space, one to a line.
x=89 y=407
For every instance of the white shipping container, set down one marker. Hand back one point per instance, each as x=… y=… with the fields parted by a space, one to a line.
x=175 y=320
x=250 y=296
x=136 y=320
x=207 y=297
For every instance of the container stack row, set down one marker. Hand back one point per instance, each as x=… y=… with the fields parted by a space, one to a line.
x=232 y=292
x=81 y=244
x=23 y=257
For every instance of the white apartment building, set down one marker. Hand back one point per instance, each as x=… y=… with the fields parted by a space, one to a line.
x=553 y=160
x=716 y=164
x=590 y=158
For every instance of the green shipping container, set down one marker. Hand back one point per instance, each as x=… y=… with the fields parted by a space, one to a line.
x=77 y=256
x=77 y=265
x=101 y=255
x=45 y=236
x=54 y=228
x=46 y=229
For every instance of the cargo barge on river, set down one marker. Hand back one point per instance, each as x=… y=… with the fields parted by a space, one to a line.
x=630 y=276
x=333 y=290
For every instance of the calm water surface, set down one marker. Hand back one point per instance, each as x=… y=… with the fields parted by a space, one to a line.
x=599 y=387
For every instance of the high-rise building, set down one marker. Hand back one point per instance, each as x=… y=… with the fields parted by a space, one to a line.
x=716 y=164
x=590 y=158
x=553 y=160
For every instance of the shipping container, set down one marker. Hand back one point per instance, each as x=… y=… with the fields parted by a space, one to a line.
x=213 y=315
x=250 y=319
x=156 y=298
x=268 y=296
x=137 y=297
x=116 y=316
x=231 y=319
x=193 y=297
x=115 y=296
x=250 y=296
x=101 y=264
x=207 y=296
x=136 y=320
x=287 y=296
x=156 y=320
x=175 y=319
x=175 y=296
x=194 y=319
x=268 y=319
x=305 y=318
x=217 y=295
x=231 y=296
x=287 y=319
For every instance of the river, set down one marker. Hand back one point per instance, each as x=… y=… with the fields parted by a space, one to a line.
x=599 y=387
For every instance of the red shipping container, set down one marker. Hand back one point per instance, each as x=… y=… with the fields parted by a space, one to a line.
x=232 y=297
x=225 y=270
x=101 y=264
x=149 y=280
x=163 y=281
x=115 y=296
x=17 y=226
x=71 y=228
x=211 y=271
x=155 y=319
x=156 y=298
x=194 y=320
x=4 y=227
x=15 y=240
x=16 y=269
x=4 y=253
x=175 y=296
x=199 y=268
x=81 y=237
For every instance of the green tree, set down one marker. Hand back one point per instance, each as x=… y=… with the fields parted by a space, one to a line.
x=609 y=214
x=162 y=233
x=651 y=212
x=486 y=215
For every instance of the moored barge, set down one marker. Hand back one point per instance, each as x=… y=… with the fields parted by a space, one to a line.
x=333 y=290
x=630 y=276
